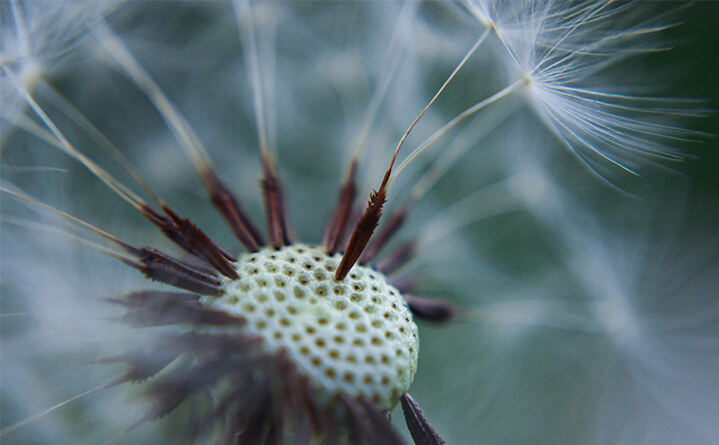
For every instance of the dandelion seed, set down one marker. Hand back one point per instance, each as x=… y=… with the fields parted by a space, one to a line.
x=565 y=53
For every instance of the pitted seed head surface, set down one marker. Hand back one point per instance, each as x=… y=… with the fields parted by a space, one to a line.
x=355 y=336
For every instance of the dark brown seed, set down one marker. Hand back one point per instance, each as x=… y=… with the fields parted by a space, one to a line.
x=216 y=343
x=228 y=407
x=335 y=233
x=169 y=392
x=419 y=427
x=186 y=235
x=362 y=233
x=194 y=240
x=355 y=421
x=166 y=398
x=404 y=284
x=397 y=258
x=384 y=236
x=277 y=224
x=430 y=309
x=382 y=430
x=150 y=256
x=258 y=414
x=227 y=204
x=157 y=308
x=160 y=267
x=296 y=407
x=367 y=425
x=320 y=423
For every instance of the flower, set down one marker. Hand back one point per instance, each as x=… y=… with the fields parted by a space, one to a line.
x=101 y=355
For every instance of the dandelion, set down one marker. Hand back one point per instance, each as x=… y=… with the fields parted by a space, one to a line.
x=290 y=352
x=297 y=340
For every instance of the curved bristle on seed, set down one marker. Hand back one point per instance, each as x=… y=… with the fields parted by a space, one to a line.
x=311 y=314
x=362 y=233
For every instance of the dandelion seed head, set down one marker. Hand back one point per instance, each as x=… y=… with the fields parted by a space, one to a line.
x=354 y=336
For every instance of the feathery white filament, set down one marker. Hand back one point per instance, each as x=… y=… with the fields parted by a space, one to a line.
x=68 y=148
x=456 y=121
x=10 y=428
x=565 y=51
x=394 y=57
